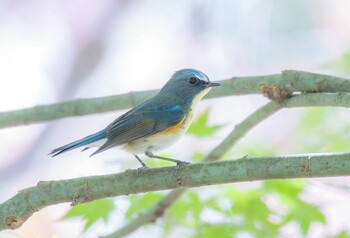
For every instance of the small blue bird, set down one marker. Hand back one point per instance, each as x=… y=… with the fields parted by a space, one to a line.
x=154 y=124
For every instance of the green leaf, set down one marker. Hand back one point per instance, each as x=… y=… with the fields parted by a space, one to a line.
x=313 y=118
x=178 y=212
x=216 y=230
x=141 y=202
x=289 y=188
x=198 y=156
x=186 y=210
x=215 y=203
x=251 y=205
x=342 y=234
x=250 y=209
x=305 y=214
x=245 y=211
x=200 y=126
x=196 y=205
x=341 y=65
x=92 y=211
x=321 y=130
x=299 y=211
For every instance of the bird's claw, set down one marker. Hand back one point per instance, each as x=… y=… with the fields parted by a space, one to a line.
x=178 y=165
x=143 y=168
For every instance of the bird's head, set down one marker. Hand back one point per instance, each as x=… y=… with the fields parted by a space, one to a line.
x=189 y=85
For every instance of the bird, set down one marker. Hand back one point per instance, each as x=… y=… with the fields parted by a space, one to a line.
x=154 y=124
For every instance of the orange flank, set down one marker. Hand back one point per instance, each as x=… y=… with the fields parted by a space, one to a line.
x=173 y=128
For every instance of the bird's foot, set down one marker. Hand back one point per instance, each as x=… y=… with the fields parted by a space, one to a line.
x=178 y=162
x=142 y=168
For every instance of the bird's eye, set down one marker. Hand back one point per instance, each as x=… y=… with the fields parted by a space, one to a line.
x=193 y=80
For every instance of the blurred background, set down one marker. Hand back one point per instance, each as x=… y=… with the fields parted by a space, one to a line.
x=52 y=51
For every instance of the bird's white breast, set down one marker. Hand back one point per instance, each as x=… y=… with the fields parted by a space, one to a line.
x=161 y=141
x=154 y=142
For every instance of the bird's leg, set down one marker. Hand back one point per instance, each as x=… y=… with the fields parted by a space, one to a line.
x=178 y=162
x=144 y=166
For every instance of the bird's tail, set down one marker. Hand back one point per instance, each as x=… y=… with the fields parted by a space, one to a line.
x=84 y=141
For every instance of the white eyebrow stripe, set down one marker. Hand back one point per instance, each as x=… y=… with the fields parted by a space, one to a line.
x=205 y=79
x=202 y=77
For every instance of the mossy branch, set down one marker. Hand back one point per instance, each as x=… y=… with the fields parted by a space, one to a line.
x=19 y=208
x=277 y=86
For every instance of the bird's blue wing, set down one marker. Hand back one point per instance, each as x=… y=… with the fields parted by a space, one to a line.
x=140 y=123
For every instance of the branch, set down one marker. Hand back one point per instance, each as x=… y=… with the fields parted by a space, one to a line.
x=20 y=207
x=286 y=83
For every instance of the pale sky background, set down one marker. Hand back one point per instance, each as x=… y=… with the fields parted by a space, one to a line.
x=51 y=51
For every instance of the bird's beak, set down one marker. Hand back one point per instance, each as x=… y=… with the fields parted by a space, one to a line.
x=213 y=84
